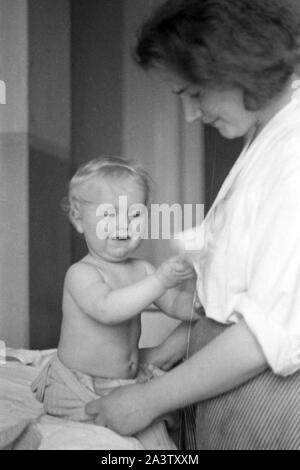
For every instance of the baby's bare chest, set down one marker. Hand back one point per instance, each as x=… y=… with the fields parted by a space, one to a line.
x=123 y=276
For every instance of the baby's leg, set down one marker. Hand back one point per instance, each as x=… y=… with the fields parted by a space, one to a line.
x=64 y=392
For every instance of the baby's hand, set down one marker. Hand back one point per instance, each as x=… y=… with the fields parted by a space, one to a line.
x=175 y=271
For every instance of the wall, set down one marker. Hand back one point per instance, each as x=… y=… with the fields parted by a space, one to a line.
x=14 y=314
x=96 y=60
x=49 y=164
x=86 y=97
x=220 y=156
x=154 y=132
x=75 y=63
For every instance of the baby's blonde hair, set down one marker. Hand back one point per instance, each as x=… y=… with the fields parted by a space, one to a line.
x=105 y=167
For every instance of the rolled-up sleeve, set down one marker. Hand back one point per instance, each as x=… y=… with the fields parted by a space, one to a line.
x=271 y=303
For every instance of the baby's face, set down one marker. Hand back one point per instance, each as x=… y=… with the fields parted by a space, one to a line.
x=111 y=216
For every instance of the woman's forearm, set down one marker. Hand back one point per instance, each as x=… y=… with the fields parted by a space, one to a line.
x=228 y=361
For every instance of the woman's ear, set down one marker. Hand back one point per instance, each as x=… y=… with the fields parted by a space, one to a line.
x=75 y=217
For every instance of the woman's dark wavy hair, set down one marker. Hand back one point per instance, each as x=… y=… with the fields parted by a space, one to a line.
x=250 y=44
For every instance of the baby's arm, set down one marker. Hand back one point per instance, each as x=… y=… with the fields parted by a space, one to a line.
x=171 y=351
x=175 y=303
x=112 y=306
x=106 y=305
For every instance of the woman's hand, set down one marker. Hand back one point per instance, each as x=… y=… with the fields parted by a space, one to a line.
x=175 y=271
x=230 y=360
x=126 y=410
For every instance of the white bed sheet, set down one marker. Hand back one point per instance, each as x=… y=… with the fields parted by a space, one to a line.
x=17 y=402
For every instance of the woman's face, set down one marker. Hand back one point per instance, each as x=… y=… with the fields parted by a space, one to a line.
x=224 y=110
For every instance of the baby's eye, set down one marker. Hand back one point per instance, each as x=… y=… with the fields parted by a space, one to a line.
x=135 y=214
x=108 y=214
x=105 y=210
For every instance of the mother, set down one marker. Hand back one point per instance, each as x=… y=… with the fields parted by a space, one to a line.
x=233 y=62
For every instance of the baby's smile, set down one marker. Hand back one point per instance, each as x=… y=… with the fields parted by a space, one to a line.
x=121 y=238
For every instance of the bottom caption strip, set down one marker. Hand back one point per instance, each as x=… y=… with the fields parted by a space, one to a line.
x=159 y=458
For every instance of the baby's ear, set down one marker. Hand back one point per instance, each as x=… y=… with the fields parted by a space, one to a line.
x=75 y=217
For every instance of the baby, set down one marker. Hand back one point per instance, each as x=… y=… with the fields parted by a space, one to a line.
x=105 y=293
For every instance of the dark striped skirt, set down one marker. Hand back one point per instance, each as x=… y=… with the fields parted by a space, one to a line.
x=263 y=414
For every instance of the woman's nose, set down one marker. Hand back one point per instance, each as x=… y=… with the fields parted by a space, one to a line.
x=191 y=108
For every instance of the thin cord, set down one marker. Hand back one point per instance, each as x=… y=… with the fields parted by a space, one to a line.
x=188 y=352
x=188 y=411
x=210 y=202
x=190 y=325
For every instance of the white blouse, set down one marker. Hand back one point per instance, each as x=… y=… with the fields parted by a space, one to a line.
x=250 y=264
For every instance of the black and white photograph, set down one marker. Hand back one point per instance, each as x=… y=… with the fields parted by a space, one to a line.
x=150 y=227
